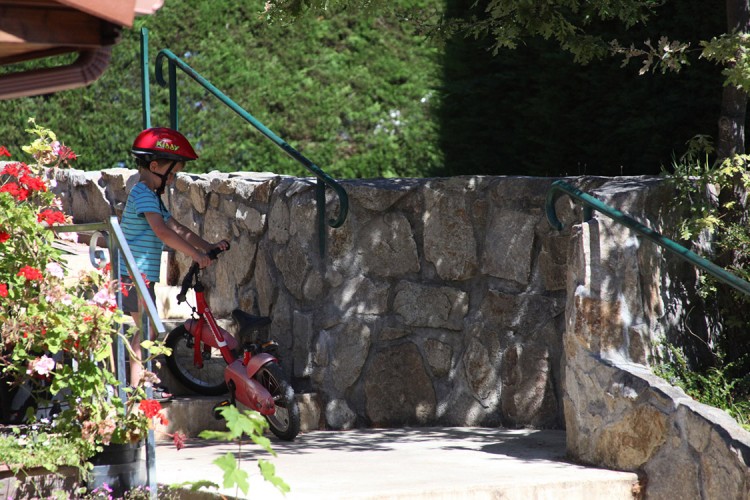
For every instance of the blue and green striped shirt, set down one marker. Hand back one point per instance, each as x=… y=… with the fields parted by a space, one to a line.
x=143 y=242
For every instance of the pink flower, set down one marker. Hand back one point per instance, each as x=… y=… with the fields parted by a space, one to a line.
x=41 y=366
x=55 y=269
x=103 y=298
x=178 y=438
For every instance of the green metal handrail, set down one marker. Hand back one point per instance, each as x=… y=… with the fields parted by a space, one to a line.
x=323 y=179
x=590 y=204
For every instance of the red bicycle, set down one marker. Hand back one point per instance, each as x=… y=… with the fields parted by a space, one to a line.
x=208 y=360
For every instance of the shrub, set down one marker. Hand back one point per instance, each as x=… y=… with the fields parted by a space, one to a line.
x=56 y=331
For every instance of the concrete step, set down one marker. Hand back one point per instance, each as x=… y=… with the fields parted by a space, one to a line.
x=408 y=464
x=191 y=415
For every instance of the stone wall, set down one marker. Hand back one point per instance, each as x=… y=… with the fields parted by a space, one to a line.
x=438 y=302
x=625 y=296
x=453 y=302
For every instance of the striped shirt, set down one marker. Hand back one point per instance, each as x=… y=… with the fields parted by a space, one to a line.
x=143 y=242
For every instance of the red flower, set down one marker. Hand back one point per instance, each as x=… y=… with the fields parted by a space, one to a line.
x=30 y=273
x=15 y=191
x=65 y=153
x=22 y=194
x=4 y=151
x=11 y=188
x=11 y=169
x=3 y=290
x=150 y=407
x=51 y=217
x=33 y=183
x=4 y=236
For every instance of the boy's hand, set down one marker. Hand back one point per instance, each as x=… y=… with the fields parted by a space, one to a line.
x=223 y=245
x=202 y=259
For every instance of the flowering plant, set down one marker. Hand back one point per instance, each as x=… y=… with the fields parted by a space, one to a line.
x=55 y=329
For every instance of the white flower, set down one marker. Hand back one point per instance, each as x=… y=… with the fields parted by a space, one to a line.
x=55 y=269
x=104 y=298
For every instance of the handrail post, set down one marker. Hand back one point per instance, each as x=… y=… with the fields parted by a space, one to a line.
x=173 y=116
x=320 y=201
x=145 y=85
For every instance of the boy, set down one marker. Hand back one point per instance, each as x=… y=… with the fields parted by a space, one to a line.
x=160 y=153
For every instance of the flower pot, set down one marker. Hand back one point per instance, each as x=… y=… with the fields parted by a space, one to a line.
x=120 y=466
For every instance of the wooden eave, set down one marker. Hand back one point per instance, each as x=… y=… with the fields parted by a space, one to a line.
x=34 y=29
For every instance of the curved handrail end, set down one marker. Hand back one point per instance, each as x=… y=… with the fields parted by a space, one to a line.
x=549 y=205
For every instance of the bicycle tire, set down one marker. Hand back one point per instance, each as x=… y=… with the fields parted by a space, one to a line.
x=207 y=381
x=285 y=422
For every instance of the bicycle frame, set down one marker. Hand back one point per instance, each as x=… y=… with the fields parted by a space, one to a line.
x=205 y=330
x=239 y=373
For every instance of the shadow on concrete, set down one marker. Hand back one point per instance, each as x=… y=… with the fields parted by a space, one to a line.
x=525 y=444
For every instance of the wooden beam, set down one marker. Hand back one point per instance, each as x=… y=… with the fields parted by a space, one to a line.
x=120 y=12
x=54 y=26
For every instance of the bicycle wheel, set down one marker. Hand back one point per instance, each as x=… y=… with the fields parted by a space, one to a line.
x=284 y=422
x=209 y=380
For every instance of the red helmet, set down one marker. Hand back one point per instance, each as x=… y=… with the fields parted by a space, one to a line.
x=159 y=142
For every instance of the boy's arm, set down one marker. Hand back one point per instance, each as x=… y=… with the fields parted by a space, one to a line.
x=175 y=240
x=193 y=238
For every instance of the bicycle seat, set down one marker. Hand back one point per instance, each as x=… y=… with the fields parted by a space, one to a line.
x=249 y=322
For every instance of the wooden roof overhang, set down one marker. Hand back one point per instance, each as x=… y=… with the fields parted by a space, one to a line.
x=34 y=29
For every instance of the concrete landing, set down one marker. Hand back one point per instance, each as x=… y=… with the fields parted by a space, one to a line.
x=412 y=463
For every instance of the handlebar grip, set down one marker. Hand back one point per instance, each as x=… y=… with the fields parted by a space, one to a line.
x=187 y=281
x=213 y=254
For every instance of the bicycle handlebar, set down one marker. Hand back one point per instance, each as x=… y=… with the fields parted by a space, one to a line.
x=187 y=281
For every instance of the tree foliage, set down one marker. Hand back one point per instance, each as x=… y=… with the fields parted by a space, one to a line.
x=374 y=88
x=355 y=94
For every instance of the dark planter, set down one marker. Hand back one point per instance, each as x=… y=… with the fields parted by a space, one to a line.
x=120 y=466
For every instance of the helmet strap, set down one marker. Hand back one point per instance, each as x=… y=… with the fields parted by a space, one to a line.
x=164 y=177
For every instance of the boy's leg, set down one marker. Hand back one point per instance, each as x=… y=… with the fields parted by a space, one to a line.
x=133 y=306
x=160 y=393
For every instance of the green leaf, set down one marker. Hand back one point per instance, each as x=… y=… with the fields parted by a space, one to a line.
x=250 y=422
x=268 y=471
x=216 y=435
x=233 y=475
x=195 y=485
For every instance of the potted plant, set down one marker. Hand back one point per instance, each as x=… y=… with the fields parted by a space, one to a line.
x=56 y=331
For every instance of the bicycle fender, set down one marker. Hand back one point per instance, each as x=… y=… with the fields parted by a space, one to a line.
x=257 y=361
x=248 y=391
x=207 y=336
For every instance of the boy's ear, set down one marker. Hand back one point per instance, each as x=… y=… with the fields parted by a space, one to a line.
x=153 y=164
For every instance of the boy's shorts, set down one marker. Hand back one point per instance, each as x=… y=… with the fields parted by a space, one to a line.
x=130 y=301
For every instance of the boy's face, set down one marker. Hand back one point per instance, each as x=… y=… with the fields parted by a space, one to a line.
x=161 y=167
